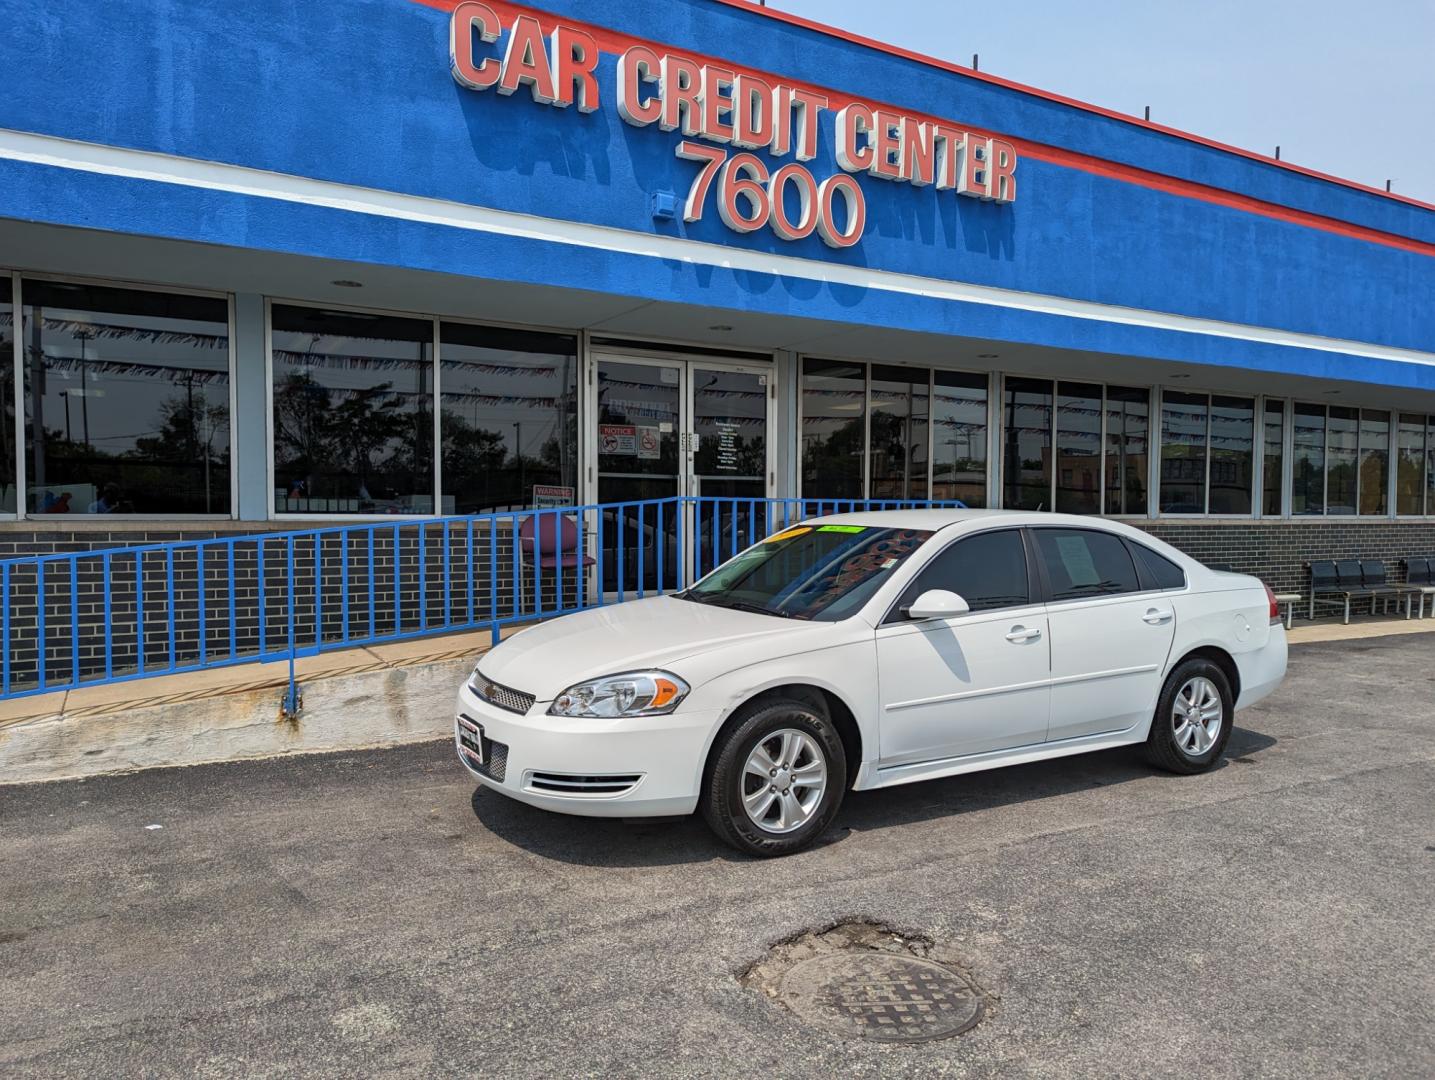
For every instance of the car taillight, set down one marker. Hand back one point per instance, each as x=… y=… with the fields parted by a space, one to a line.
x=1275 y=607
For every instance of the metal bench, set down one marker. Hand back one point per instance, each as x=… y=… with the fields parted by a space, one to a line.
x=1420 y=582
x=1375 y=578
x=1337 y=584
x=1288 y=600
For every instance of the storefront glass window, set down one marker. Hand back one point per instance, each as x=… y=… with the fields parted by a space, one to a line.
x=1430 y=465
x=1232 y=454
x=7 y=399
x=508 y=417
x=353 y=412
x=1374 y=462
x=1342 y=459
x=959 y=444
x=1128 y=434
x=1027 y=441
x=1272 y=458
x=900 y=432
x=834 y=397
x=1410 y=466
x=1183 y=453
x=126 y=400
x=1308 y=460
x=1078 y=448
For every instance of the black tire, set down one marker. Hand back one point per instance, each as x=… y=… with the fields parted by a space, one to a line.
x=725 y=778
x=1163 y=748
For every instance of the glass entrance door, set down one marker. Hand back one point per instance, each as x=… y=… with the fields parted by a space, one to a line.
x=729 y=459
x=664 y=427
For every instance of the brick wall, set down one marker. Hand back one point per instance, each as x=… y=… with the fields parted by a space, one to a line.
x=1277 y=551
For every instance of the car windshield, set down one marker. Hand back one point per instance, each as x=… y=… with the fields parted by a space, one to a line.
x=822 y=572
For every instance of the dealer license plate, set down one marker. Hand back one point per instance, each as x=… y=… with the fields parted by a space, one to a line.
x=470 y=736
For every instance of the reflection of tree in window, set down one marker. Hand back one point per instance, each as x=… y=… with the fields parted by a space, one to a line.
x=353 y=412
x=126 y=400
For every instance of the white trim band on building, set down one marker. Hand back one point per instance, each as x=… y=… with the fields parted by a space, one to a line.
x=259 y=183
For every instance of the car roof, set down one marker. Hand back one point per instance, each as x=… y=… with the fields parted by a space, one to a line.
x=937 y=518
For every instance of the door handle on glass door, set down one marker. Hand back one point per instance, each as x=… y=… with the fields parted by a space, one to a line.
x=1156 y=617
x=1020 y=634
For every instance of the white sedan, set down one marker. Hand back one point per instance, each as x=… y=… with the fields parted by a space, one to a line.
x=865 y=650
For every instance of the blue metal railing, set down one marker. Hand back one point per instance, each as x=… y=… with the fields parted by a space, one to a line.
x=114 y=615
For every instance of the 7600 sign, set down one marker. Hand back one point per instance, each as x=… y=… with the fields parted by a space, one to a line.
x=750 y=197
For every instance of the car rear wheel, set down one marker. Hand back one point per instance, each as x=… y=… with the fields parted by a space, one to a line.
x=1193 y=718
x=777 y=778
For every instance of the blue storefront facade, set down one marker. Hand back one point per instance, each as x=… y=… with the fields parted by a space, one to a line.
x=281 y=262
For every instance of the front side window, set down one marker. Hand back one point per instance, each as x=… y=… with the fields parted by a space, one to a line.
x=509 y=416
x=820 y=572
x=988 y=571
x=1082 y=564
x=353 y=412
x=126 y=400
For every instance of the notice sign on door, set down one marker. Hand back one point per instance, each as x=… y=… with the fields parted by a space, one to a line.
x=617 y=439
x=549 y=496
x=727 y=447
x=649 y=443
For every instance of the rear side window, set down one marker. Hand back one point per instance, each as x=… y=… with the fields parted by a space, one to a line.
x=1081 y=564
x=1161 y=570
x=988 y=571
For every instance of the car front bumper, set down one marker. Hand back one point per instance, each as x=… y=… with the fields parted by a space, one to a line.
x=642 y=766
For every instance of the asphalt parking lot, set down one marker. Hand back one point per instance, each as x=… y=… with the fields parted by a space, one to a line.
x=367 y=914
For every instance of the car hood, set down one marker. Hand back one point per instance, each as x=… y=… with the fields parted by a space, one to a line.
x=658 y=632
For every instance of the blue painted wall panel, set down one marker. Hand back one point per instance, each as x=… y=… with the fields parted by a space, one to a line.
x=359 y=93
x=102 y=202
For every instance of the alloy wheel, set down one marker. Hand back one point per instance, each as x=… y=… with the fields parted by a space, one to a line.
x=784 y=780
x=1196 y=716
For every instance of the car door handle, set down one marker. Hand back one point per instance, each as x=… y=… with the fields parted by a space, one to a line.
x=1156 y=617
x=1021 y=634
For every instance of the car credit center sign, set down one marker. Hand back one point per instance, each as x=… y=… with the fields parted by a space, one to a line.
x=735 y=114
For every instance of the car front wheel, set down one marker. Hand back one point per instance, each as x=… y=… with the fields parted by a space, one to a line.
x=777 y=779
x=1193 y=718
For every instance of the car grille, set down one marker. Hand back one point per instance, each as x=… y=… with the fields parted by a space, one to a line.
x=495 y=760
x=514 y=701
x=569 y=784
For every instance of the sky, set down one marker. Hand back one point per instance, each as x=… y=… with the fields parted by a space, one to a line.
x=1345 y=88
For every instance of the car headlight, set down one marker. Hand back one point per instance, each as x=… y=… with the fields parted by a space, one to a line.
x=634 y=693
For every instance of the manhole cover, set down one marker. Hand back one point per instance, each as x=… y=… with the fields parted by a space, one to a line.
x=876 y=995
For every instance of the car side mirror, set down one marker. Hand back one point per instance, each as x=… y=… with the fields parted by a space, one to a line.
x=938 y=604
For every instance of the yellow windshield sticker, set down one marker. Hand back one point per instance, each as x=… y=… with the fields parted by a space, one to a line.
x=789 y=534
x=842 y=528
